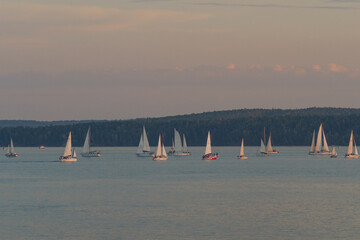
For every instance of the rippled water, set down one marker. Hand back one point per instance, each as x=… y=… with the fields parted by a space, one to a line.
x=287 y=196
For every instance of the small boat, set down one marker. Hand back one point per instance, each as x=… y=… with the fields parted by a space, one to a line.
x=242 y=154
x=208 y=154
x=262 y=148
x=86 y=149
x=144 y=147
x=11 y=151
x=69 y=153
x=333 y=153
x=352 y=151
x=161 y=152
x=41 y=147
x=178 y=148
x=321 y=147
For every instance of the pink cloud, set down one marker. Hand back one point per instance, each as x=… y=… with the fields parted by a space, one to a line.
x=278 y=68
x=333 y=67
x=231 y=66
x=316 y=68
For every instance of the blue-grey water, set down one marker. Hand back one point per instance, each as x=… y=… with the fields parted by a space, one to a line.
x=287 y=196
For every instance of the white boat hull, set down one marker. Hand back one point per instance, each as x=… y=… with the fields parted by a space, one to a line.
x=71 y=159
x=160 y=158
x=182 y=154
x=242 y=157
x=320 y=153
x=91 y=154
x=351 y=156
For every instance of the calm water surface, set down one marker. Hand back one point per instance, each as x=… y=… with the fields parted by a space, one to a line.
x=287 y=196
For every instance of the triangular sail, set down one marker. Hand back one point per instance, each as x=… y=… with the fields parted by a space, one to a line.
x=184 y=144
x=177 y=140
x=262 y=146
x=242 y=148
x=67 y=151
x=333 y=152
x=8 y=149
x=86 y=148
x=74 y=153
x=312 y=148
x=163 y=151
x=12 y=150
x=141 y=146
x=158 y=151
x=350 y=147
x=318 y=140
x=269 y=146
x=146 y=146
x=208 y=145
x=325 y=147
x=355 y=151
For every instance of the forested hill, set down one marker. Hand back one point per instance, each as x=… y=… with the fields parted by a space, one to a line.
x=288 y=128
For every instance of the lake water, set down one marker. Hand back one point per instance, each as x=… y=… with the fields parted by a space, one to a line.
x=287 y=196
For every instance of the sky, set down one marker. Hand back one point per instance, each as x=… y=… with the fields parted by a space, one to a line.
x=110 y=59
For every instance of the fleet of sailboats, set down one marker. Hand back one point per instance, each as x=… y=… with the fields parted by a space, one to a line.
x=144 y=147
x=321 y=147
x=242 y=153
x=87 y=152
x=69 y=154
x=10 y=150
x=208 y=153
x=179 y=148
x=160 y=152
x=352 y=151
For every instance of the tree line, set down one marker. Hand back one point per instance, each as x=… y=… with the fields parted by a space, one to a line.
x=286 y=130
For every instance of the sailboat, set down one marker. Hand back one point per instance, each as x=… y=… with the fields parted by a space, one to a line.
x=262 y=148
x=179 y=149
x=160 y=152
x=11 y=151
x=69 y=153
x=320 y=148
x=333 y=153
x=352 y=151
x=269 y=148
x=242 y=154
x=208 y=154
x=144 y=147
x=86 y=149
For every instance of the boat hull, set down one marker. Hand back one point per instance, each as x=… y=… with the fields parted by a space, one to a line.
x=11 y=155
x=68 y=159
x=333 y=156
x=320 y=153
x=91 y=154
x=242 y=157
x=160 y=158
x=351 y=156
x=210 y=157
x=272 y=152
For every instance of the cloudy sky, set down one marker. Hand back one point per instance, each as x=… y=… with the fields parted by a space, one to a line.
x=110 y=59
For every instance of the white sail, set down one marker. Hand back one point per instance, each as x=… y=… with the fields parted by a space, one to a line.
x=86 y=148
x=350 y=147
x=184 y=144
x=163 y=151
x=177 y=141
x=355 y=151
x=269 y=146
x=318 y=140
x=158 y=151
x=146 y=146
x=325 y=147
x=242 y=148
x=67 y=151
x=8 y=149
x=141 y=146
x=208 y=145
x=12 y=150
x=312 y=148
x=262 y=146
